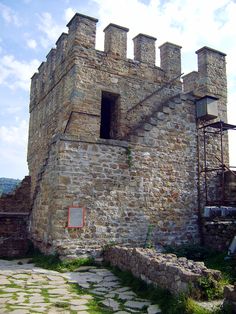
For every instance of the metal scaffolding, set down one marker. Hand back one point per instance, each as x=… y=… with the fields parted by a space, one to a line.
x=215 y=129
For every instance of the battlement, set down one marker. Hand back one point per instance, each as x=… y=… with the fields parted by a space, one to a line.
x=80 y=41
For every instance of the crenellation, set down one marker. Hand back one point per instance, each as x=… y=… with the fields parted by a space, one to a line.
x=33 y=89
x=212 y=72
x=82 y=31
x=144 y=49
x=116 y=40
x=170 y=55
x=51 y=63
x=42 y=78
x=61 y=49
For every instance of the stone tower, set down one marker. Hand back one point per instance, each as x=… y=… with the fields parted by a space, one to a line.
x=116 y=137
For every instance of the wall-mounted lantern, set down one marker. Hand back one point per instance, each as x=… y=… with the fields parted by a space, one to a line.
x=207 y=108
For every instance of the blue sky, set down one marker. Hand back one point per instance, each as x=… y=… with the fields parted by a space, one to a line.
x=30 y=28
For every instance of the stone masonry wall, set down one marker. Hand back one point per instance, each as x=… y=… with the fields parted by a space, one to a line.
x=145 y=174
x=19 y=200
x=14 y=219
x=178 y=275
x=13 y=234
x=230 y=298
x=218 y=234
x=120 y=197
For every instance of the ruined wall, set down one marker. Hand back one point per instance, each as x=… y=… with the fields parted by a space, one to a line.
x=178 y=275
x=14 y=220
x=19 y=200
x=144 y=176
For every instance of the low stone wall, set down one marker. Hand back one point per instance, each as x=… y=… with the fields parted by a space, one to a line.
x=164 y=270
x=218 y=234
x=230 y=298
x=13 y=234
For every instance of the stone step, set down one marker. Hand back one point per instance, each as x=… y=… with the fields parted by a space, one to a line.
x=147 y=126
x=160 y=115
x=172 y=105
x=166 y=109
x=153 y=121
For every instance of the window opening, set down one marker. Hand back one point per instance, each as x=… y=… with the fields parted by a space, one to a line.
x=109 y=115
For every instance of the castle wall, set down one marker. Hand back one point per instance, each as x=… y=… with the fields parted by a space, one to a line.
x=143 y=178
x=123 y=196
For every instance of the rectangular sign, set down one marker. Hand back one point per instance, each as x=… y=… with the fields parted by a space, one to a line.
x=76 y=217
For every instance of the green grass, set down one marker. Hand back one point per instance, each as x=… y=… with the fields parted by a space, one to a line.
x=53 y=262
x=168 y=303
x=12 y=285
x=94 y=304
x=62 y=305
x=227 y=267
x=211 y=258
x=45 y=294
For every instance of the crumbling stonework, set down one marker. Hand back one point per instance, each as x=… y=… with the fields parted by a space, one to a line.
x=230 y=298
x=178 y=275
x=14 y=219
x=19 y=200
x=117 y=137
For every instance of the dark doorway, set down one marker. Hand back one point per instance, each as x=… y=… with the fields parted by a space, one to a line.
x=109 y=115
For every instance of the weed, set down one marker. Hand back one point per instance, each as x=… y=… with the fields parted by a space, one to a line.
x=77 y=289
x=62 y=305
x=12 y=285
x=129 y=157
x=95 y=306
x=210 y=288
x=45 y=294
x=211 y=258
x=168 y=303
x=149 y=242
x=54 y=263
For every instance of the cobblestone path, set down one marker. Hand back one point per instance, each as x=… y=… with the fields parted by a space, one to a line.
x=26 y=289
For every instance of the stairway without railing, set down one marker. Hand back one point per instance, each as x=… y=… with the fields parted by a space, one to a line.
x=146 y=113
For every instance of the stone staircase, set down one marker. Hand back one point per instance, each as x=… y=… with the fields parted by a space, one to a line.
x=155 y=107
x=140 y=132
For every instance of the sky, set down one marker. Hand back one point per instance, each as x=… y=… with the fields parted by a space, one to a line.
x=30 y=28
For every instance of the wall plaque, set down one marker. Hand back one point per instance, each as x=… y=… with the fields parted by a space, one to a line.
x=76 y=217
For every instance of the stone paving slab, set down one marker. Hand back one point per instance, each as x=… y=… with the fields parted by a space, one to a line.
x=26 y=289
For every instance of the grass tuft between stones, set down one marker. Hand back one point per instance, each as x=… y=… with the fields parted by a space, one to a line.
x=168 y=303
x=53 y=262
x=95 y=306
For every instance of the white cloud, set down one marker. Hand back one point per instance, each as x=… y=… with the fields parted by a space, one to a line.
x=15 y=73
x=13 y=148
x=69 y=13
x=16 y=135
x=184 y=22
x=191 y=24
x=49 y=28
x=9 y=16
x=31 y=43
